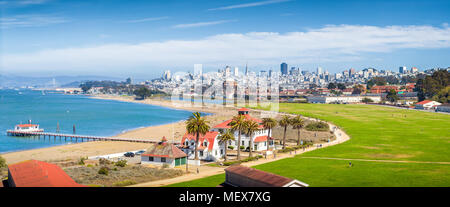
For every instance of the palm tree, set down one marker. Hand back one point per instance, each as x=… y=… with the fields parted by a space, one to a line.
x=285 y=121
x=237 y=124
x=250 y=128
x=269 y=123
x=297 y=123
x=197 y=125
x=225 y=137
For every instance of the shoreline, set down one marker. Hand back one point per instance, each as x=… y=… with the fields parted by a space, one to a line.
x=70 y=151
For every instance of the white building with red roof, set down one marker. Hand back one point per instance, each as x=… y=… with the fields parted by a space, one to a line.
x=427 y=104
x=211 y=149
x=261 y=139
x=164 y=153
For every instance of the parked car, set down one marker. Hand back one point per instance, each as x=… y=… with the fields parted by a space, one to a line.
x=140 y=152
x=129 y=154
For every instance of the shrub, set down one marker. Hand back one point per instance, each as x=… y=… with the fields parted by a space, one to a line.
x=2 y=162
x=89 y=165
x=317 y=126
x=104 y=161
x=121 y=163
x=165 y=165
x=124 y=183
x=82 y=159
x=103 y=171
x=231 y=147
x=241 y=147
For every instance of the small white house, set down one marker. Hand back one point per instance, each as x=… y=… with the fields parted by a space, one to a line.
x=164 y=153
x=427 y=105
x=209 y=148
x=28 y=128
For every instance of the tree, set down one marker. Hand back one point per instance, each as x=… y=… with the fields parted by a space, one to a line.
x=225 y=137
x=331 y=86
x=428 y=86
x=358 y=89
x=341 y=86
x=250 y=128
x=197 y=125
x=297 y=123
x=366 y=100
x=237 y=124
x=392 y=96
x=443 y=95
x=285 y=121
x=2 y=162
x=143 y=92
x=269 y=123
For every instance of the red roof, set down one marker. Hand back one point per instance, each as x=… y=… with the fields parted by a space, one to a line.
x=423 y=102
x=26 y=125
x=243 y=109
x=34 y=173
x=210 y=136
x=261 y=139
x=164 y=149
x=224 y=125
x=259 y=176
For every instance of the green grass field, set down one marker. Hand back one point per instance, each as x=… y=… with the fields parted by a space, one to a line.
x=377 y=133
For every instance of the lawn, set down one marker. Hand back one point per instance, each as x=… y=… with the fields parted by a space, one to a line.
x=377 y=133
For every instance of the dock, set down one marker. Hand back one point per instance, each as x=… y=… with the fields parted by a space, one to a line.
x=77 y=137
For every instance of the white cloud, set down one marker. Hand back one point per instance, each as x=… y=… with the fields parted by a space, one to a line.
x=238 y=6
x=30 y=21
x=342 y=43
x=202 y=24
x=145 y=19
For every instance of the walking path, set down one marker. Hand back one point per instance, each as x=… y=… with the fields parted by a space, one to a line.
x=206 y=171
x=392 y=161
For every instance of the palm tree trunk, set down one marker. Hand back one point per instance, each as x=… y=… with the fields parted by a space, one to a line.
x=226 y=150
x=239 y=146
x=298 y=140
x=284 y=137
x=251 y=146
x=196 y=144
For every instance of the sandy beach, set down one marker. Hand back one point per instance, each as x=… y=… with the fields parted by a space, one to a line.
x=173 y=131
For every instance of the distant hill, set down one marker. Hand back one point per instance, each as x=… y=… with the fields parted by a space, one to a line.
x=57 y=81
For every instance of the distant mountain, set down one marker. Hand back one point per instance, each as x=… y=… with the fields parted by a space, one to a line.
x=57 y=81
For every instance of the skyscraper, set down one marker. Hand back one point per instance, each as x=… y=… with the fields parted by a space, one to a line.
x=402 y=69
x=283 y=68
x=319 y=70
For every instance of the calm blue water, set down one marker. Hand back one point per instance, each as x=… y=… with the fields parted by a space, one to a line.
x=90 y=116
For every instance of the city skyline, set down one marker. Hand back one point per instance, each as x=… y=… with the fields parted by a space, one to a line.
x=70 y=37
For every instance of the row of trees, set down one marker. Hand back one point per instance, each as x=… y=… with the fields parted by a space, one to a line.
x=198 y=126
x=435 y=87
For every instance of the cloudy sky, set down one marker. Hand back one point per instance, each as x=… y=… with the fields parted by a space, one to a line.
x=143 y=38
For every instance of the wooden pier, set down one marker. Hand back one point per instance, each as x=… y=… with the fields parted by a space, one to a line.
x=76 y=137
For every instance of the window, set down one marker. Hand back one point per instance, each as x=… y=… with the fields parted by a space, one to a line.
x=150 y=159
x=163 y=159
x=221 y=151
x=201 y=153
x=243 y=143
x=265 y=144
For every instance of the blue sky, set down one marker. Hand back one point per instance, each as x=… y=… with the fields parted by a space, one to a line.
x=143 y=38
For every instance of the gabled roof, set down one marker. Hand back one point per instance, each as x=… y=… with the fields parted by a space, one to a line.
x=224 y=125
x=26 y=125
x=260 y=176
x=243 y=109
x=261 y=139
x=210 y=136
x=34 y=173
x=164 y=149
x=423 y=102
